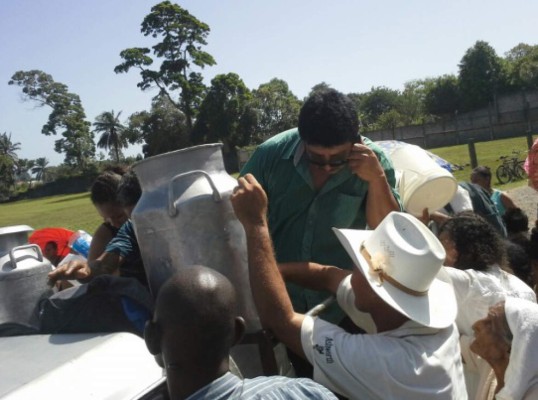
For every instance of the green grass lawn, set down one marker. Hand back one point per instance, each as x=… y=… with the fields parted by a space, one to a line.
x=77 y=212
x=488 y=154
x=74 y=211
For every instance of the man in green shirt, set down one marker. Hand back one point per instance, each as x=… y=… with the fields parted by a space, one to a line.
x=319 y=176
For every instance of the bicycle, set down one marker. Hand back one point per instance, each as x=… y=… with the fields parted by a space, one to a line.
x=511 y=168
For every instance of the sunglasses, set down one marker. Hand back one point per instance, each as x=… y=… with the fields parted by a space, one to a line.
x=330 y=163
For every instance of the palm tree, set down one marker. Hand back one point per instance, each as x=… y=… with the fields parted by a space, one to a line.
x=8 y=148
x=22 y=166
x=111 y=131
x=8 y=163
x=40 y=168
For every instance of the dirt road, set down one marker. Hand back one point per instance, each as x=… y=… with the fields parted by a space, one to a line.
x=526 y=198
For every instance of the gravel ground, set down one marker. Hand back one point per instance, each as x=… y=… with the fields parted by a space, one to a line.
x=525 y=198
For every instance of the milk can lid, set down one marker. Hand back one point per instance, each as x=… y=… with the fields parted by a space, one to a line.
x=7 y=230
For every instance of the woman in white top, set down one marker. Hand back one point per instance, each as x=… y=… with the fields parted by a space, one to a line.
x=476 y=252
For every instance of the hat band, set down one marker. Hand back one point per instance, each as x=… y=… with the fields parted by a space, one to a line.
x=377 y=266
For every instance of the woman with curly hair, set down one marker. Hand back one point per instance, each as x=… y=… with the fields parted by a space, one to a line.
x=476 y=253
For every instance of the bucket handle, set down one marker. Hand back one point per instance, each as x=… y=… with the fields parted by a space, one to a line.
x=172 y=210
x=26 y=246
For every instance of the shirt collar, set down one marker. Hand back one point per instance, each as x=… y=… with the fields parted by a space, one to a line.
x=294 y=150
x=220 y=388
x=299 y=151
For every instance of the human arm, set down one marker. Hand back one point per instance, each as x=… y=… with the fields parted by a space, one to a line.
x=380 y=200
x=102 y=236
x=269 y=292
x=84 y=271
x=438 y=217
x=109 y=262
x=313 y=276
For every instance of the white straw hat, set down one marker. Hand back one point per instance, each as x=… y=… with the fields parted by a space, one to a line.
x=402 y=261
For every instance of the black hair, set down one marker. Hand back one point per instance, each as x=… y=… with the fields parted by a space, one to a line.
x=516 y=220
x=129 y=190
x=105 y=186
x=482 y=170
x=328 y=118
x=477 y=242
x=533 y=246
x=518 y=258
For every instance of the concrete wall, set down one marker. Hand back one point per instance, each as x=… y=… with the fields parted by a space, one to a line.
x=511 y=116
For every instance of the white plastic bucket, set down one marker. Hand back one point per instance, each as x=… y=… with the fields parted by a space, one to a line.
x=423 y=183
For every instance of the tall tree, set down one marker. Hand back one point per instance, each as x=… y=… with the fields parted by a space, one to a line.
x=410 y=103
x=23 y=165
x=40 y=168
x=8 y=164
x=522 y=66
x=442 y=96
x=226 y=114
x=277 y=108
x=389 y=120
x=180 y=50
x=67 y=115
x=8 y=148
x=160 y=130
x=480 y=76
x=111 y=129
x=376 y=102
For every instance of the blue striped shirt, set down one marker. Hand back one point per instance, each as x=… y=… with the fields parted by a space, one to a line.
x=230 y=386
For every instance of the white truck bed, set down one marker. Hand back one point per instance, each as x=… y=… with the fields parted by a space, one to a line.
x=77 y=366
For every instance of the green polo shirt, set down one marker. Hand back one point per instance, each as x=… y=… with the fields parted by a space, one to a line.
x=300 y=219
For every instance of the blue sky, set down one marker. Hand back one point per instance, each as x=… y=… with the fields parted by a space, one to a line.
x=352 y=45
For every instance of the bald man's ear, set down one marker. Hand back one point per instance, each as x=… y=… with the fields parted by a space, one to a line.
x=240 y=328
x=152 y=337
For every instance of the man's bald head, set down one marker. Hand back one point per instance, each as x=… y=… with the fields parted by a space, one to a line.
x=195 y=294
x=196 y=312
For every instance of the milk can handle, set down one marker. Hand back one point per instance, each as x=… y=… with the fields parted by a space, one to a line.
x=26 y=246
x=172 y=210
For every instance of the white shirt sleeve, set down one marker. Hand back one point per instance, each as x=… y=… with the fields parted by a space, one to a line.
x=461 y=281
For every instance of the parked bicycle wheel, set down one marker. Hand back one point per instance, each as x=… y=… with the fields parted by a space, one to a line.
x=520 y=171
x=503 y=174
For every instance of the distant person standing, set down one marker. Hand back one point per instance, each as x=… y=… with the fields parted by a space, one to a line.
x=482 y=176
